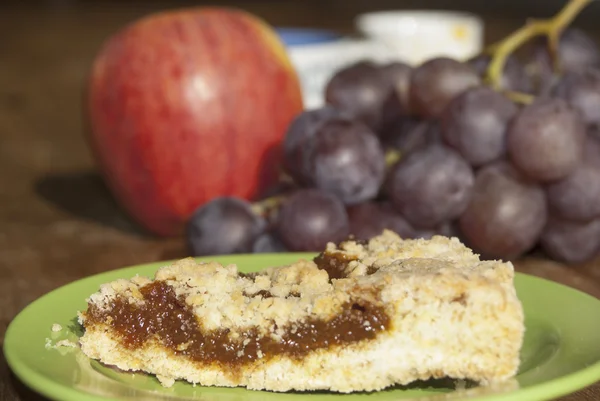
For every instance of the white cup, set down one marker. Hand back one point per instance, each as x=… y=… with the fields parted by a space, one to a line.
x=414 y=36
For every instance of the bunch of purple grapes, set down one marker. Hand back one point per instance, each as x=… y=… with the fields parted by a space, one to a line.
x=432 y=150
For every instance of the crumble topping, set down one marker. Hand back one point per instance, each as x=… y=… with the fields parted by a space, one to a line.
x=418 y=299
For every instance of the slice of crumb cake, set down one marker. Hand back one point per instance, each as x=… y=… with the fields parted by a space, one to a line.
x=360 y=317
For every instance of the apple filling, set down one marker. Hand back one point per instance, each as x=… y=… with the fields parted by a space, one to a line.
x=169 y=319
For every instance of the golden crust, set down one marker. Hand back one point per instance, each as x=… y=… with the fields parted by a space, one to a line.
x=451 y=315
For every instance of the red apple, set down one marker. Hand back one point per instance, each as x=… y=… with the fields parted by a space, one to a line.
x=188 y=105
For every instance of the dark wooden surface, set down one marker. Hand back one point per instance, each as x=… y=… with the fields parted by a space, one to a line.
x=58 y=223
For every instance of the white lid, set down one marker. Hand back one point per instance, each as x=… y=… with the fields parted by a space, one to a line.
x=413 y=36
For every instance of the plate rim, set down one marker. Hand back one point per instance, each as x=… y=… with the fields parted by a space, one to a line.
x=47 y=387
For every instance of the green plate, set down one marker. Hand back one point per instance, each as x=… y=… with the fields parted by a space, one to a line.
x=561 y=353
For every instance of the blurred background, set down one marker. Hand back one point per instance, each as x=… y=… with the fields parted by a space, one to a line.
x=55 y=212
x=337 y=14
x=54 y=208
x=506 y=7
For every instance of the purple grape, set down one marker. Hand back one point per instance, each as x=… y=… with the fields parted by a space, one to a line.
x=398 y=74
x=430 y=186
x=437 y=81
x=576 y=52
x=581 y=90
x=446 y=229
x=571 y=242
x=363 y=90
x=346 y=158
x=310 y=218
x=268 y=243
x=577 y=197
x=475 y=124
x=369 y=219
x=546 y=140
x=594 y=133
x=410 y=135
x=514 y=76
x=280 y=188
x=424 y=233
x=398 y=129
x=451 y=229
x=506 y=214
x=300 y=132
x=223 y=226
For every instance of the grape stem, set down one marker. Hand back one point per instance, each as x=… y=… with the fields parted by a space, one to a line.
x=285 y=177
x=261 y=207
x=392 y=156
x=519 y=97
x=552 y=28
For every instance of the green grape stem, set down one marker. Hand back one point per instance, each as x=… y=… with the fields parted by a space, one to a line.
x=392 y=156
x=551 y=28
x=520 y=97
x=263 y=206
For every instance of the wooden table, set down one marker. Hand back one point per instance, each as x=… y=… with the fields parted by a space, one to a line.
x=58 y=223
